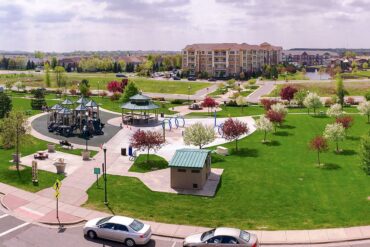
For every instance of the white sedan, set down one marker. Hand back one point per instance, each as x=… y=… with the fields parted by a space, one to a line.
x=126 y=230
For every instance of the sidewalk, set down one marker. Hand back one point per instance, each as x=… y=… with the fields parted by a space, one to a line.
x=38 y=209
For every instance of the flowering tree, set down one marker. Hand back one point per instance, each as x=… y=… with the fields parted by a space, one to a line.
x=300 y=96
x=364 y=108
x=115 y=86
x=199 y=135
x=233 y=130
x=334 y=132
x=265 y=125
x=209 y=103
x=312 y=100
x=287 y=93
x=280 y=108
x=267 y=103
x=275 y=117
x=147 y=140
x=319 y=144
x=240 y=101
x=335 y=111
x=345 y=121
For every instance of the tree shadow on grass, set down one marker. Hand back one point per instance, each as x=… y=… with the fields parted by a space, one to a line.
x=245 y=152
x=348 y=152
x=319 y=116
x=282 y=133
x=272 y=143
x=330 y=166
x=353 y=138
x=287 y=126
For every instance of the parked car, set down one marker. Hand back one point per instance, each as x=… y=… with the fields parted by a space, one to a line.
x=176 y=78
x=192 y=78
x=212 y=79
x=126 y=230
x=120 y=75
x=222 y=237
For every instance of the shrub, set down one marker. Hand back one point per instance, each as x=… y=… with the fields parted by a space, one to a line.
x=178 y=101
x=267 y=103
x=159 y=99
x=328 y=102
x=287 y=93
x=115 y=86
x=350 y=101
x=115 y=96
x=231 y=103
x=367 y=96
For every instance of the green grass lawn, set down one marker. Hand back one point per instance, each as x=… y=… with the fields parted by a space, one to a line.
x=296 y=76
x=274 y=186
x=100 y=80
x=358 y=74
x=327 y=88
x=154 y=163
x=30 y=146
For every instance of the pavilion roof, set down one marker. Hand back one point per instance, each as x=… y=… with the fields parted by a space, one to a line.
x=65 y=111
x=82 y=100
x=56 y=107
x=67 y=102
x=81 y=107
x=135 y=107
x=91 y=103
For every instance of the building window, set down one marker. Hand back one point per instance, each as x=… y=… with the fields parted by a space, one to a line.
x=209 y=53
x=195 y=186
x=232 y=52
x=181 y=170
x=195 y=171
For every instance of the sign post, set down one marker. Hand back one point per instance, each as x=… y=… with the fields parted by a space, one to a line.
x=34 y=172
x=56 y=187
x=97 y=173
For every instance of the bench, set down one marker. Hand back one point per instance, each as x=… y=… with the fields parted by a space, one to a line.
x=66 y=144
x=41 y=156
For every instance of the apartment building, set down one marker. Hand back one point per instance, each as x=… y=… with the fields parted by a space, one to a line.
x=308 y=57
x=228 y=59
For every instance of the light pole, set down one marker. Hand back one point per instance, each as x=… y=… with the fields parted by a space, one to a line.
x=98 y=89
x=105 y=174
x=84 y=129
x=189 y=95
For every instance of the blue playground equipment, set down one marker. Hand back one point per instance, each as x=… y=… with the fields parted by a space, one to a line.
x=171 y=122
x=219 y=129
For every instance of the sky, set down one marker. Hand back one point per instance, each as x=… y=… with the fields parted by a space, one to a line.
x=70 y=25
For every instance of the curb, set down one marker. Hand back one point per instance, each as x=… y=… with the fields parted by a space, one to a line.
x=2 y=202
x=62 y=223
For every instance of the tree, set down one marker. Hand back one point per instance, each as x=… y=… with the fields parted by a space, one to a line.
x=287 y=93
x=5 y=105
x=47 y=75
x=115 y=86
x=13 y=131
x=345 y=121
x=199 y=135
x=300 y=96
x=364 y=109
x=276 y=118
x=230 y=83
x=340 y=89
x=147 y=140
x=267 y=103
x=280 y=108
x=38 y=100
x=84 y=88
x=365 y=154
x=265 y=125
x=8 y=85
x=209 y=103
x=365 y=65
x=335 y=132
x=319 y=144
x=19 y=85
x=39 y=54
x=54 y=63
x=240 y=101
x=130 y=91
x=233 y=130
x=335 y=111
x=59 y=76
x=312 y=100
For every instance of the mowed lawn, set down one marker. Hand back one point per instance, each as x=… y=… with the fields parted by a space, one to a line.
x=100 y=80
x=275 y=186
x=357 y=88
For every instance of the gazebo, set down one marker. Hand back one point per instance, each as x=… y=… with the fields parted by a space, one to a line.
x=140 y=110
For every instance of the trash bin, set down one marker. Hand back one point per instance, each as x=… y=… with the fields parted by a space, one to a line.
x=130 y=150
x=123 y=151
x=162 y=114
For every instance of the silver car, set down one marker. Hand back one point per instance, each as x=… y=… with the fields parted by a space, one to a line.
x=126 y=230
x=222 y=237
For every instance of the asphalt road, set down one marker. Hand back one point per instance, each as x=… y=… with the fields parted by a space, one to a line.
x=17 y=233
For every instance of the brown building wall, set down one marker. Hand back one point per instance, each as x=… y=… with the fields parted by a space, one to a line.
x=184 y=178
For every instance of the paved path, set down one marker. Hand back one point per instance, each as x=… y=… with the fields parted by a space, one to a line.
x=265 y=88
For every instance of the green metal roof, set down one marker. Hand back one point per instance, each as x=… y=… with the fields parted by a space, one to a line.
x=139 y=97
x=189 y=158
x=134 y=107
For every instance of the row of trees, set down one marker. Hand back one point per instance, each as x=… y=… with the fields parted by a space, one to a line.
x=17 y=63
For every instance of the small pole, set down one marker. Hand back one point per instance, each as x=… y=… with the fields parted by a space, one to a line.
x=97 y=180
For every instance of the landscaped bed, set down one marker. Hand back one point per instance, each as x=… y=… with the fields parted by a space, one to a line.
x=264 y=186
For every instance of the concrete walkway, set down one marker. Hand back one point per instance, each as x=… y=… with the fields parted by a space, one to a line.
x=39 y=209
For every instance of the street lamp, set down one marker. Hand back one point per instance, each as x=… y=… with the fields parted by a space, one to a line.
x=105 y=174
x=84 y=129
x=189 y=95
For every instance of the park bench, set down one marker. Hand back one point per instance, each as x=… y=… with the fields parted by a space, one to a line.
x=66 y=144
x=41 y=156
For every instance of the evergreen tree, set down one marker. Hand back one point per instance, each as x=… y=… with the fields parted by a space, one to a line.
x=5 y=105
x=130 y=91
x=340 y=89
